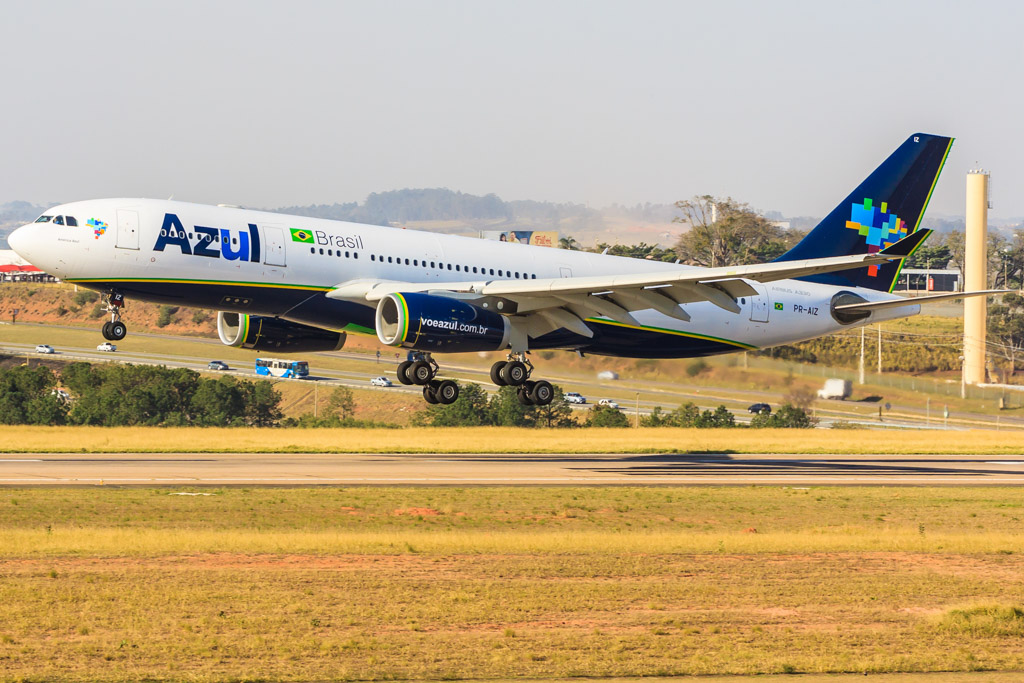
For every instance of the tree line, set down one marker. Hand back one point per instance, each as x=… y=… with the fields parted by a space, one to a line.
x=118 y=395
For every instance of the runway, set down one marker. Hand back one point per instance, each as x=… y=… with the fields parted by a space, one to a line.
x=510 y=469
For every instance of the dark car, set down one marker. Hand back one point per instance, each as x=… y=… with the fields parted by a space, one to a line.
x=760 y=409
x=217 y=365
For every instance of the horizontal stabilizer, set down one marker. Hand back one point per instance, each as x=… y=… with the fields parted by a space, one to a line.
x=912 y=301
x=906 y=246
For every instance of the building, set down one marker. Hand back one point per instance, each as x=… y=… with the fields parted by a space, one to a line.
x=13 y=268
x=929 y=280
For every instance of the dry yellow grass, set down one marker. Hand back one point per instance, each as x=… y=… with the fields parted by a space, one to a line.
x=26 y=439
x=109 y=542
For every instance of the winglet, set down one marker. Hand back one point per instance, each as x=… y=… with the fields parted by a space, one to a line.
x=906 y=246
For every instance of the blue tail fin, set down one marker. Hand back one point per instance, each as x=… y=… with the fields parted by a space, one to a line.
x=883 y=209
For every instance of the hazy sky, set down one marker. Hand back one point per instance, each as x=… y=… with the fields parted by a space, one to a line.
x=785 y=105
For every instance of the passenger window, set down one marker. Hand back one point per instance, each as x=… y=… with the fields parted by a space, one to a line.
x=372 y=257
x=355 y=254
x=492 y=271
x=59 y=220
x=71 y=221
x=44 y=219
x=449 y=266
x=330 y=252
x=406 y=261
x=389 y=259
x=312 y=250
x=456 y=267
x=474 y=269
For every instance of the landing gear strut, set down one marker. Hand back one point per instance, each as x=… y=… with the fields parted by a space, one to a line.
x=422 y=369
x=515 y=372
x=114 y=329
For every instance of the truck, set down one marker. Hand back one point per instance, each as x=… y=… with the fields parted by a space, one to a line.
x=837 y=389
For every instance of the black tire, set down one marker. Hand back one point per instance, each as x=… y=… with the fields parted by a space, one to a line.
x=524 y=396
x=542 y=393
x=421 y=372
x=429 y=396
x=496 y=372
x=105 y=331
x=447 y=392
x=118 y=331
x=514 y=373
x=403 y=368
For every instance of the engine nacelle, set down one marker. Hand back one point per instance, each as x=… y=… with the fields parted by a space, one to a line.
x=263 y=333
x=436 y=323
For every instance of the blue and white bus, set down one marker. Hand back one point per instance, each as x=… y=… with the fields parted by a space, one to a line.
x=275 y=367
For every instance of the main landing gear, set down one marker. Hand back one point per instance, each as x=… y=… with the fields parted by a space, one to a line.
x=515 y=372
x=114 y=330
x=422 y=370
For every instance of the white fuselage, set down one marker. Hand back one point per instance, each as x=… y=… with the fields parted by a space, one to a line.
x=280 y=265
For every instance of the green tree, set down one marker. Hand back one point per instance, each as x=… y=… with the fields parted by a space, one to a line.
x=505 y=409
x=468 y=410
x=262 y=403
x=606 y=416
x=786 y=417
x=936 y=257
x=1006 y=326
x=557 y=414
x=218 y=403
x=341 y=403
x=725 y=232
x=27 y=397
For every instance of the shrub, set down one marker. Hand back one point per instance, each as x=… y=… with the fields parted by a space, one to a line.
x=84 y=297
x=786 y=417
x=606 y=416
x=163 y=319
x=696 y=367
x=200 y=316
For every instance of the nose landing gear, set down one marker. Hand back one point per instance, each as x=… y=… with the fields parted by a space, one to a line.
x=114 y=329
x=422 y=369
x=515 y=372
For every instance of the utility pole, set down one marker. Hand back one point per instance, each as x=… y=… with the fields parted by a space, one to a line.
x=862 y=355
x=879 y=349
x=316 y=397
x=638 y=409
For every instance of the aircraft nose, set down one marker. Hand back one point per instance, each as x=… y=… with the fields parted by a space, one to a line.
x=20 y=241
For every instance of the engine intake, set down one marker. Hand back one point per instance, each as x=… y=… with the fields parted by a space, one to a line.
x=436 y=323
x=264 y=333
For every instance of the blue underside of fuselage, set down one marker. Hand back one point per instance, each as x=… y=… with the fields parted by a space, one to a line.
x=312 y=307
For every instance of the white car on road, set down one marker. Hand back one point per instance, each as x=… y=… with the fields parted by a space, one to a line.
x=575 y=397
x=381 y=382
x=106 y=346
x=44 y=348
x=608 y=403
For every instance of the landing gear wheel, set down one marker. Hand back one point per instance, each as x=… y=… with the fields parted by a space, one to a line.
x=541 y=393
x=421 y=372
x=429 y=396
x=446 y=392
x=514 y=373
x=496 y=372
x=105 y=330
x=118 y=330
x=523 y=394
x=403 y=368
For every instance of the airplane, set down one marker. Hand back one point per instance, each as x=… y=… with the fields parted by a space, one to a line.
x=284 y=283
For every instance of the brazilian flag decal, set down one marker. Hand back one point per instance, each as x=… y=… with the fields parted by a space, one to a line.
x=778 y=306
x=301 y=236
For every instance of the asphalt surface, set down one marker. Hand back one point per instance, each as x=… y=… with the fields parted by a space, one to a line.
x=507 y=469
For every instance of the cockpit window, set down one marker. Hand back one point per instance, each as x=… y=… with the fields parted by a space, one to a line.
x=71 y=221
x=44 y=219
x=59 y=220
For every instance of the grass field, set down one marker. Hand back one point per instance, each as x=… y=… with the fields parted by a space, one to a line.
x=29 y=439
x=501 y=583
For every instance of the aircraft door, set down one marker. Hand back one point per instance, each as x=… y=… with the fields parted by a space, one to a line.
x=127 y=229
x=273 y=253
x=759 y=304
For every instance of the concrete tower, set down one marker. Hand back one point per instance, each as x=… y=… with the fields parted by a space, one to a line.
x=975 y=276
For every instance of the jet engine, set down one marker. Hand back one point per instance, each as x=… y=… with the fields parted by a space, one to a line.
x=426 y=322
x=264 y=333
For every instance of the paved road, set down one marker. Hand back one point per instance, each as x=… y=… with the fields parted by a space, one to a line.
x=510 y=469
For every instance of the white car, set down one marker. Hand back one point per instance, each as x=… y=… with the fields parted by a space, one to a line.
x=44 y=348
x=106 y=346
x=381 y=382
x=575 y=397
x=608 y=403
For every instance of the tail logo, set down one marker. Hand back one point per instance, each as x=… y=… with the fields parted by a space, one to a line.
x=878 y=227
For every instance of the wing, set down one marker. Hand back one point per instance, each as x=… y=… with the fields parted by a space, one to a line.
x=911 y=301
x=552 y=303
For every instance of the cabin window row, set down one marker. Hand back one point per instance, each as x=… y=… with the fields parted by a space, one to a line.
x=459 y=268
